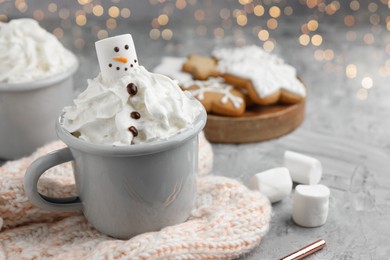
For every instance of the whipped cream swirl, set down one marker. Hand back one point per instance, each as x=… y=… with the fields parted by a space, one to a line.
x=108 y=111
x=29 y=53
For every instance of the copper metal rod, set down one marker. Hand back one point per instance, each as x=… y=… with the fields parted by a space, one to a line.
x=306 y=251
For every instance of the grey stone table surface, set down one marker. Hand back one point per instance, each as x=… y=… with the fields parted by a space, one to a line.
x=346 y=127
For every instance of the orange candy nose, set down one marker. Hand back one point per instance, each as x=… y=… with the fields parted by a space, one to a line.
x=120 y=59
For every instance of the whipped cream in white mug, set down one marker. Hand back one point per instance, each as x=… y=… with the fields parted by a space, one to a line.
x=29 y=53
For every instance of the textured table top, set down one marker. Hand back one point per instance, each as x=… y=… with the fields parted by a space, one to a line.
x=345 y=127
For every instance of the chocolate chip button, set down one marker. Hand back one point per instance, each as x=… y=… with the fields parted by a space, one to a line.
x=135 y=115
x=132 y=89
x=133 y=130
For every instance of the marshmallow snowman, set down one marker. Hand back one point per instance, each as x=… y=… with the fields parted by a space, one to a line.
x=117 y=56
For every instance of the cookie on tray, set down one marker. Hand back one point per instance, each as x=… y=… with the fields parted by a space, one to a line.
x=248 y=101
x=266 y=77
x=201 y=67
x=217 y=97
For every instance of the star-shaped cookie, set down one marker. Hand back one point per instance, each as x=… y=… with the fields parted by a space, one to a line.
x=266 y=77
x=201 y=67
x=217 y=97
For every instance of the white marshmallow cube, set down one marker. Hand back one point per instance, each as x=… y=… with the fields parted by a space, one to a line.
x=275 y=184
x=117 y=56
x=303 y=169
x=310 y=205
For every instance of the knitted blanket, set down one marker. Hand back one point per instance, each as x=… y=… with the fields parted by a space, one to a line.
x=227 y=221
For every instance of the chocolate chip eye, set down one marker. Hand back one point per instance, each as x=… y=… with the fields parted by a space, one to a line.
x=126 y=47
x=116 y=49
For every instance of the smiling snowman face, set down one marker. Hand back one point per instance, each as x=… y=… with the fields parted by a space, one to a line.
x=116 y=56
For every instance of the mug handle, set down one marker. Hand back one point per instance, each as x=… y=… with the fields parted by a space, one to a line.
x=34 y=172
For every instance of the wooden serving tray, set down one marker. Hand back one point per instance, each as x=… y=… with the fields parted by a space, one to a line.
x=259 y=123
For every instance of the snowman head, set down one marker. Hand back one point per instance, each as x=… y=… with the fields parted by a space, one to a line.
x=116 y=56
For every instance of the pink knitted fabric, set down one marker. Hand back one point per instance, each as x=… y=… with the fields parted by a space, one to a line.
x=206 y=156
x=227 y=221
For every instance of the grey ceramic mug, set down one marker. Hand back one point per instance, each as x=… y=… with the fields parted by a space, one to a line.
x=125 y=190
x=28 y=112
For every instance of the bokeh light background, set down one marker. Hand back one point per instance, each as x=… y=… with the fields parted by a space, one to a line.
x=266 y=23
